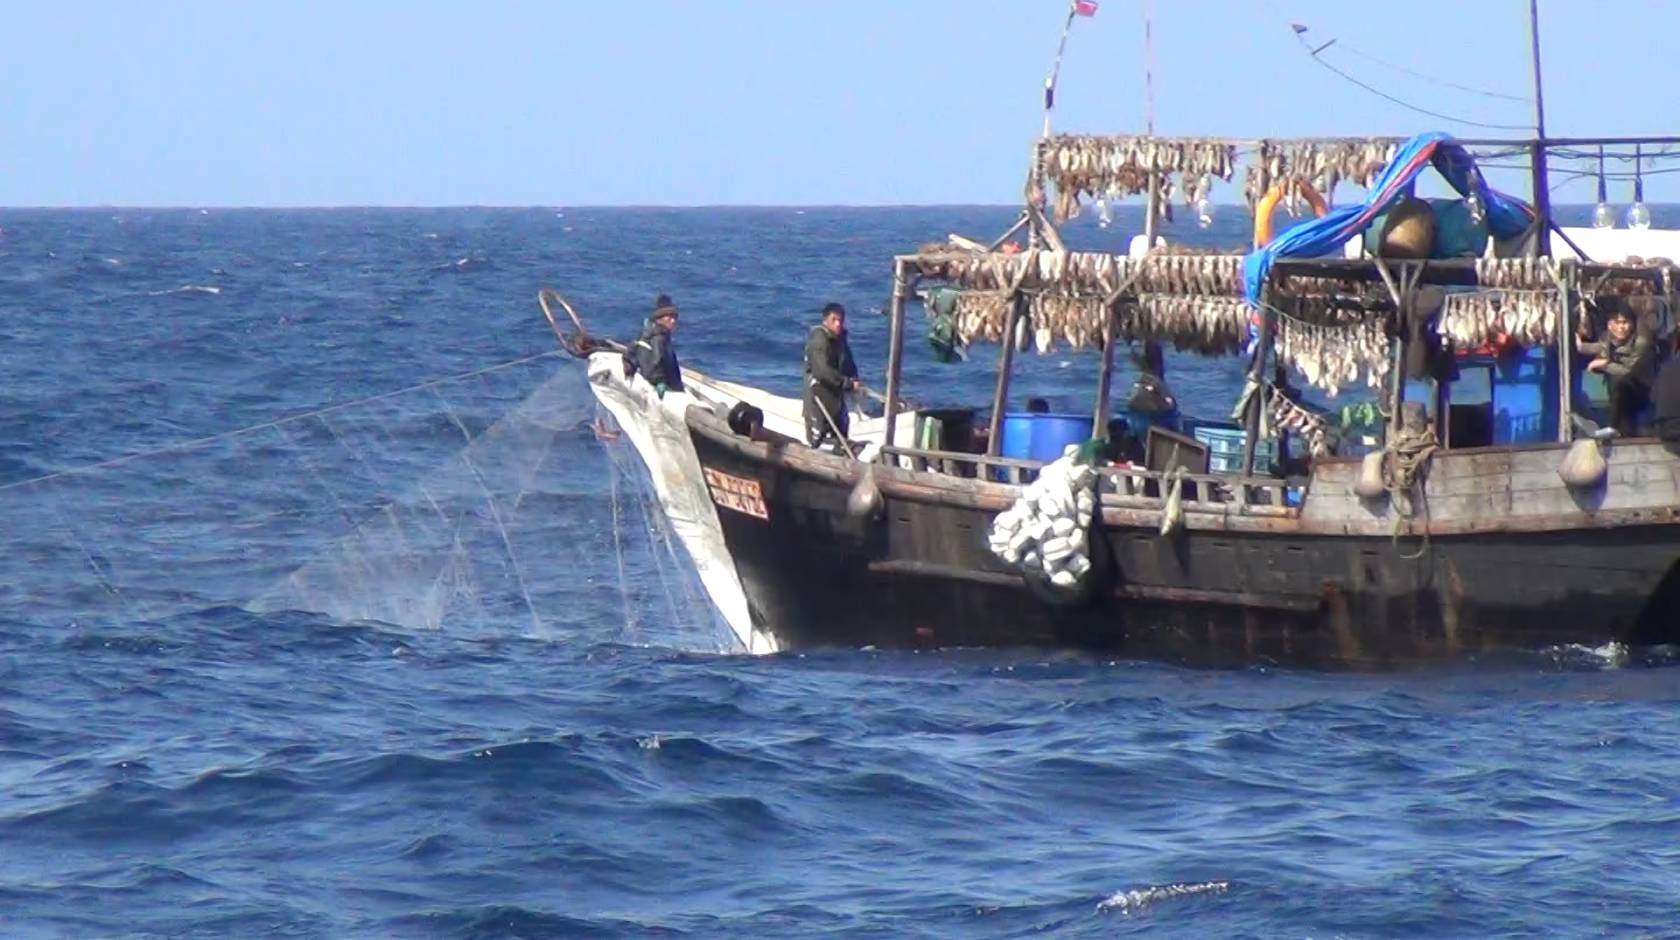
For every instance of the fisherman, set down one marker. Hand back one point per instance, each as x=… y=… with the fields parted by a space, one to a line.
x=1624 y=357
x=829 y=374
x=655 y=353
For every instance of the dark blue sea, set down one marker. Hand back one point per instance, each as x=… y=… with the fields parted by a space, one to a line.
x=324 y=613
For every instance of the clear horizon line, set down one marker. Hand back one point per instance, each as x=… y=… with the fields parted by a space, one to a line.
x=237 y=207
x=161 y=207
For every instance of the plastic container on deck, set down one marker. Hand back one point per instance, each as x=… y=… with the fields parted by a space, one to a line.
x=1042 y=436
x=1224 y=441
x=1039 y=436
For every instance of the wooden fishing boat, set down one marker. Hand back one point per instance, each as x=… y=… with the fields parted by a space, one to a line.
x=1490 y=512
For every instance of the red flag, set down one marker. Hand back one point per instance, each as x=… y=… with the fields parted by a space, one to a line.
x=1085 y=7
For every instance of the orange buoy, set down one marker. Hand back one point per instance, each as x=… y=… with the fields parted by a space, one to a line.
x=1268 y=202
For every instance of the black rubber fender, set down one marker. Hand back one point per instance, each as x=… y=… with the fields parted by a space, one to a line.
x=744 y=419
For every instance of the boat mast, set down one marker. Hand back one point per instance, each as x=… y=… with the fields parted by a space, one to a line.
x=1542 y=191
x=1153 y=355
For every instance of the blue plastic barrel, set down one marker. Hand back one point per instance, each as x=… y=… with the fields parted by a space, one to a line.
x=1039 y=436
x=1016 y=435
x=1042 y=436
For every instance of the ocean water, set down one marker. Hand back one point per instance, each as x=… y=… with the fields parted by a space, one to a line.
x=410 y=653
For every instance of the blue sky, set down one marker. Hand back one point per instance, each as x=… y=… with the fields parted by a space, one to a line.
x=366 y=102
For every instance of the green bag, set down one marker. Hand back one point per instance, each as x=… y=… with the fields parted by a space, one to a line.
x=941 y=304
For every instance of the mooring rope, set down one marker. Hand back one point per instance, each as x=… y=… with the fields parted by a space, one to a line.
x=1409 y=457
x=276 y=424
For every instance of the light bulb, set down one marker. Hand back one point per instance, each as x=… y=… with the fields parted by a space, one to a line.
x=1204 y=212
x=1103 y=216
x=1638 y=216
x=1603 y=216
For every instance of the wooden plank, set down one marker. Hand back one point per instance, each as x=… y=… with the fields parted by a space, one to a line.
x=926 y=569
x=1186 y=595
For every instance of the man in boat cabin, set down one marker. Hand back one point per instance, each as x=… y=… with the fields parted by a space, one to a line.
x=654 y=355
x=1625 y=357
x=829 y=374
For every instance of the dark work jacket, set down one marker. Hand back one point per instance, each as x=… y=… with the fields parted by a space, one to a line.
x=656 y=357
x=828 y=366
x=1631 y=359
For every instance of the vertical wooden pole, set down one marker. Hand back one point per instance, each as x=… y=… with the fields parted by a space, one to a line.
x=895 y=347
x=1443 y=408
x=1401 y=293
x=1566 y=354
x=1152 y=350
x=1006 y=362
x=1099 y=415
x=1151 y=207
x=1256 y=372
x=1396 y=389
x=1542 y=191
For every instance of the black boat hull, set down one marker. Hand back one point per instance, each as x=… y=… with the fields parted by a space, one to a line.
x=919 y=574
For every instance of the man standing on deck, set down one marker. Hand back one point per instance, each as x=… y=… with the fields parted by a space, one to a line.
x=829 y=374
x=655 y=353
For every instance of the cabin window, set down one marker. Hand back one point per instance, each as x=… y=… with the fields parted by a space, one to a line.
x=1470 y=407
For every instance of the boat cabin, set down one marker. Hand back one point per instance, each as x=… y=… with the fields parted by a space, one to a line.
x=1459 y=305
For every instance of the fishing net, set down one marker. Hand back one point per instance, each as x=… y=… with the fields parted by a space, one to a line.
x=494 y=503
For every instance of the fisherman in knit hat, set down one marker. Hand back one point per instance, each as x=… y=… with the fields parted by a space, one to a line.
x=656 y=352
x=830 y=373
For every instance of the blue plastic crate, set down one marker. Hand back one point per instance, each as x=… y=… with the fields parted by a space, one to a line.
x=1225 y=446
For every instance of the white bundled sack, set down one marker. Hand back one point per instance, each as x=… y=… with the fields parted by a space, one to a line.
x=1046 y=527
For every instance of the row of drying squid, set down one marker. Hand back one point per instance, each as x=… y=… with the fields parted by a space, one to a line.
x=1529 y=317
x=1322 y=164
x=1115 y=167
x=1205 y=325
x=1075 y=320
x=1635 y=286
x=1174 y=271
x=1332 y=358
x=1094 y=272
x=1208 y=326
x=1287 y=416
x=1534 y=274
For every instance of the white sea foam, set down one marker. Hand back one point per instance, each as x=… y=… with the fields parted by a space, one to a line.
x=1611 y=655
x=187 y=289
x=1127 y=902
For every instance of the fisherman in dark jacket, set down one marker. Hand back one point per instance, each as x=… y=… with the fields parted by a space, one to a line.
x=829 y=374
x=655 y=353
x=1626 y=359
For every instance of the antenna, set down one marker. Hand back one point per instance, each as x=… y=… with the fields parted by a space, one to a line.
x=1148 y=73
x=1542 y=193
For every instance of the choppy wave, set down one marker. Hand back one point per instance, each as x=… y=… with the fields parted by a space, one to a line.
x=187 y=289
x=176 y=762
x=463 y=265
x=1136 y=899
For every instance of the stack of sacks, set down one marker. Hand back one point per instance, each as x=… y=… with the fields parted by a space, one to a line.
x=1046 y=528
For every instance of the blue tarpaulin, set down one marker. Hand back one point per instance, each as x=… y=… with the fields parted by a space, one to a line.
x=1506 y=217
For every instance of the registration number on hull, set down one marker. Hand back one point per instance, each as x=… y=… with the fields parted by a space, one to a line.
x=737 y=493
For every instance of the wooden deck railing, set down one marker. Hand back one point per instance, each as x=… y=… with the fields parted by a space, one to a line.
x=970 y=466
x=1120 y=486
x=1137 y=488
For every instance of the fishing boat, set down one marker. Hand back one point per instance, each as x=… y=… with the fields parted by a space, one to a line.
x=1490 y=506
